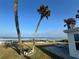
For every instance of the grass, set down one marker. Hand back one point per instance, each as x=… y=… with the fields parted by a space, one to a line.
x=40 y=55
x=9 y=53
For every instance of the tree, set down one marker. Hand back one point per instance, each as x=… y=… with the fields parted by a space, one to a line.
x=43 y=10
x=70 y=22
x=16 y=19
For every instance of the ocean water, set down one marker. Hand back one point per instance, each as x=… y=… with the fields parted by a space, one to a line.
x=30 y=38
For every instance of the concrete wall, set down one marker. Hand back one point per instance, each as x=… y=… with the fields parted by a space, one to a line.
x=72 y=46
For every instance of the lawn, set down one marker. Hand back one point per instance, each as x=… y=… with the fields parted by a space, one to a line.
x=9 y=53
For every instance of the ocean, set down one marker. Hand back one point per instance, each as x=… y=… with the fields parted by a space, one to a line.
x=31 y=38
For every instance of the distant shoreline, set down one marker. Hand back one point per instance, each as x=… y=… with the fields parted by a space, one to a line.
x=31 y=37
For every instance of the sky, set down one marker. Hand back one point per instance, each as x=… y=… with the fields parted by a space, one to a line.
x=28 y=17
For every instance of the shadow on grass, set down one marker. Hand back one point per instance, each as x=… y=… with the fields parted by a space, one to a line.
x=54 y=56
x=16 y=48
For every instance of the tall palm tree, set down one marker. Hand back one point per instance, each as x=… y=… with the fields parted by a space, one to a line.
x=16 y=19
x=70 y=22
x=44 y=12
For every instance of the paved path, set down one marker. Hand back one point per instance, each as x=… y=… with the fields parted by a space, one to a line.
x=60 y=50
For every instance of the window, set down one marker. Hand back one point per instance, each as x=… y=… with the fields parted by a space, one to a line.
x=76 y=36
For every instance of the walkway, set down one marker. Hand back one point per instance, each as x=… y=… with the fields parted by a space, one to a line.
x=60 y=50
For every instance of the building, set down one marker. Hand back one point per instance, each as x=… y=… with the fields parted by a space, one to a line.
x=73 y=41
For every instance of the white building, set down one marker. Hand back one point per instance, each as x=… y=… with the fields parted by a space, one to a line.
x=73 y=39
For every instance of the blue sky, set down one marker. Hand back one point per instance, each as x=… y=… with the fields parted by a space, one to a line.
x=28 y=17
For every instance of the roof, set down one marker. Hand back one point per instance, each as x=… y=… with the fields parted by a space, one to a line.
x=76 y=29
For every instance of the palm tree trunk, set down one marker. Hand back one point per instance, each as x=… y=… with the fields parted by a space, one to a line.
x=38 y=24
x=16 y=19
x=68 y=26
x=37 y=29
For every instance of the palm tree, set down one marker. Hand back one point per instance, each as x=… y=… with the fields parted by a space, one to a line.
x=16 y=19
x=70 y=22
x=44 y=12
